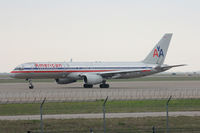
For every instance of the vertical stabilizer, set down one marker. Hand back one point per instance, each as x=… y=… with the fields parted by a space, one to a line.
x=159 y=52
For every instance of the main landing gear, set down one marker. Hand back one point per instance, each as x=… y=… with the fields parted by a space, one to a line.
x=87 y=86
x=30 y=83
x=104 y=85
x=101 y=85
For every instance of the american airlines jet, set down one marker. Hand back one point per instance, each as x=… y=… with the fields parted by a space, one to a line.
x=93 y=73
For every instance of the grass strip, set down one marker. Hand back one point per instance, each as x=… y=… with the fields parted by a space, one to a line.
x=123 y=125
x=96 y=107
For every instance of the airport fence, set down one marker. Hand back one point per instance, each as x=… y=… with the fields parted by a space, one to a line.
x=179 y=124
x=34 y=96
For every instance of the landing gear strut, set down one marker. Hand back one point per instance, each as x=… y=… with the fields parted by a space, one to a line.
x=30 y=83
x=87 y=86
x=104 y=85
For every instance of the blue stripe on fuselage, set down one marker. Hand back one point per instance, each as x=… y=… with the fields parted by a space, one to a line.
x=78 y=68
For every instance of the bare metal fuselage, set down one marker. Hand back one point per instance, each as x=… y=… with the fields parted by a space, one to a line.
x=39 y=70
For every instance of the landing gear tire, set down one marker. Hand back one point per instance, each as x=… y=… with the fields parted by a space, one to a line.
x=104 y=86
x=31 y=86
x=30 y=83
x=87 y=86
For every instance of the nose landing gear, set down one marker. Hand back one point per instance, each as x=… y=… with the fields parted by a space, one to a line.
x=30 y=83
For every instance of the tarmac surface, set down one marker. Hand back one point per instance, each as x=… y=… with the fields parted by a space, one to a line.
x=100 y=115
x=19 y=92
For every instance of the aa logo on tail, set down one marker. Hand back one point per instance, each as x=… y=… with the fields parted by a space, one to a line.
x=158 y=52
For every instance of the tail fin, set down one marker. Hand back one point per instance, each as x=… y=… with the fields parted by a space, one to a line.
x=159 y=52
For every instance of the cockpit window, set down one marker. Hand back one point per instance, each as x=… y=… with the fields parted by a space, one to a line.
x=19 y=68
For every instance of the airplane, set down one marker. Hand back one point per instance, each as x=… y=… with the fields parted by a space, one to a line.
x=93 y=73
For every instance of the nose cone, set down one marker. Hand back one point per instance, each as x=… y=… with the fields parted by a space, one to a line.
x=12 y=75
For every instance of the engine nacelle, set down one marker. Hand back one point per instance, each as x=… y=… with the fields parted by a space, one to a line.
x=93 y=79
x=64 y=81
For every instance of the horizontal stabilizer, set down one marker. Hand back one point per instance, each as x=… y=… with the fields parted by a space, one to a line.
x=163 y=68
x=168 y=67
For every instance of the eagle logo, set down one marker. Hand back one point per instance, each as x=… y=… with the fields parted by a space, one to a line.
x=158 y=52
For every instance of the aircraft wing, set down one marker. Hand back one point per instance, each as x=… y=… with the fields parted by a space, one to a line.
x=116 y=74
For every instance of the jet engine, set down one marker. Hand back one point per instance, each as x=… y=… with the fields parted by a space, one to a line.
x=65 y=81
x=93 y=79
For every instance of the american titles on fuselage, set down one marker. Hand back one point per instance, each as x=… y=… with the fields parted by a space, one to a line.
x=48 y=65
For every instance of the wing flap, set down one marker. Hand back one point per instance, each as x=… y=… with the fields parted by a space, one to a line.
x=116 y=74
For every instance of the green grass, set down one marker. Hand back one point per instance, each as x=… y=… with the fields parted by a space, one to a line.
x=125 y=125
x=96 y=107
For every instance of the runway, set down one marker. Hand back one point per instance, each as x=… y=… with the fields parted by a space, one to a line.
x=19 y=92
x=100 y=115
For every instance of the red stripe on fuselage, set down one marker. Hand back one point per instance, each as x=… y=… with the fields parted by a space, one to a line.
x=69 y=71
x=146 y=70
x=61 y=71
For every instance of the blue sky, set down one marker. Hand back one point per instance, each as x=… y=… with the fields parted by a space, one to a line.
x=109 y=30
